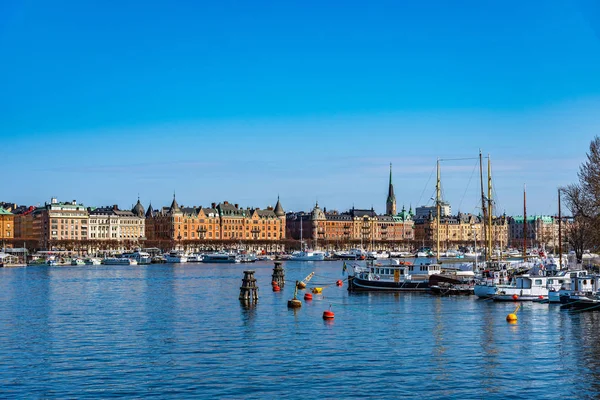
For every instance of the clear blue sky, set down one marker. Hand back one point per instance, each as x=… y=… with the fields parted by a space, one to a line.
x=243 y=101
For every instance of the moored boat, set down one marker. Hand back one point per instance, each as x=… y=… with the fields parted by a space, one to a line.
x=220 y=257
x=118 y=261
x=307 y=256
x=396 y=278
x=175 y=256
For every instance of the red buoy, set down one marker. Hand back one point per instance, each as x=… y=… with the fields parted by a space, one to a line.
x=276 y=288
x=307 y=296
x=274 y=283
x=328 y=314
x=541 y=297
x=515 y=297
x=339 y=282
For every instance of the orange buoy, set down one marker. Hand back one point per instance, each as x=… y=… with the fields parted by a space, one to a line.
x=307 y=296
x=328 y=314
x=274 y=283
x=515 y=297
x=339 y=282
x=276 y=288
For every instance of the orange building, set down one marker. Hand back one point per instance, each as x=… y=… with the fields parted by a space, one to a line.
x=222 y=222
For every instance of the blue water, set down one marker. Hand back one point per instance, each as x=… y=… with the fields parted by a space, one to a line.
x=180 y=332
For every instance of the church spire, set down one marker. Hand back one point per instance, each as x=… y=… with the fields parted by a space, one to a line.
x=390 y=204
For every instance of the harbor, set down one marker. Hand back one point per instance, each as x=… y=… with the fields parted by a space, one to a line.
x=153 y=330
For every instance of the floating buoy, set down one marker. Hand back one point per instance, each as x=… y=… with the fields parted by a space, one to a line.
x=339 y=282
x=541 y=297
x=515 y=297
x=276 y=288
x=328 y=314
x=317 y=290
x=301 y=285
x=307 y=296
x=274 y=283
x=294 y=303
x=512 y=317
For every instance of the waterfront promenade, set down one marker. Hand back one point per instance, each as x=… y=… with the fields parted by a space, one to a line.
x=180 y=332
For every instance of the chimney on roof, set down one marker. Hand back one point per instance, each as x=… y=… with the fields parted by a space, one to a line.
x=225 y=202
x=236 y=206
x=213 y=205
x=115 y=207
x=53 y=200
x=74 y=202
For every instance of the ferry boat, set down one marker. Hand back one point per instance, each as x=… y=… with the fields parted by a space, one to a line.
x=248 y=257
x=402 y=277
x=307 y=256
x=118 y=261
x=176 y=256
x=141 y=257
x=220 y=257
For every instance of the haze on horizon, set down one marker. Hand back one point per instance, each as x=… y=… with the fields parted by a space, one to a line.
x=245 y=101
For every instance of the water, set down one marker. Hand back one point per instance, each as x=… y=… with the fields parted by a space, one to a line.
x=180 y=332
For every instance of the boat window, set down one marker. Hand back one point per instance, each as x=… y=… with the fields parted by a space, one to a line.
x=538 y=282
x=387 y=271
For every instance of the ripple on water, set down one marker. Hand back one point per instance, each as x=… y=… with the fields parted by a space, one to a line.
x=180 y=332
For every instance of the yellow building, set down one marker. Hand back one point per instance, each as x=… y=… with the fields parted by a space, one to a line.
x=7 y=224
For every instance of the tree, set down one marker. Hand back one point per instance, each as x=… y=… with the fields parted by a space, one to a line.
x=583 y=200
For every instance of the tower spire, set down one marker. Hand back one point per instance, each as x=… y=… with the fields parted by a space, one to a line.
x=390 y=204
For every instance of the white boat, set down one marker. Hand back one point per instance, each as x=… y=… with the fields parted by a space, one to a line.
x=527 y=288
x=307 y=255
x=490 y=282
x=248 y=257
x=176 y=256
x=92 y=261
x=352 y=254
x=377 y=255
x=77 y=261
x=194 y=258
x=572 y=282
x=141 y=257
x=220 y=257
x=118 y=261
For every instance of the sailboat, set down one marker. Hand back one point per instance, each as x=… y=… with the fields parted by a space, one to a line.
x=305 y=254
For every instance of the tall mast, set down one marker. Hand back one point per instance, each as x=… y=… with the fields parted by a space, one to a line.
x=559 y=232
x=483 y=221
x=524 y=222
x=437 y=212
x=489 y=211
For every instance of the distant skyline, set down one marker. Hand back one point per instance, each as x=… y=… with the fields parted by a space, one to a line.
x=246 y=101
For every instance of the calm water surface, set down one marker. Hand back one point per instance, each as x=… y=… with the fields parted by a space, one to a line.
x=173 y=331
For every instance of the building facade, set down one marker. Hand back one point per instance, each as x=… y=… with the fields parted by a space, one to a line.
x=58 y=222
x=223 y=222
x=542 y=231
x=7 y=224
x=110 y=223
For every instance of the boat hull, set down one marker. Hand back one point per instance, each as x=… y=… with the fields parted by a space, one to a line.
x=356 y=284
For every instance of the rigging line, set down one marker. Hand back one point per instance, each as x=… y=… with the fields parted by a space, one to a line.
x=468 y=184
x=459 y=159
x=425 y=188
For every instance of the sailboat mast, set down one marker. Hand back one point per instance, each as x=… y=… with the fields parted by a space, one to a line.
x=437 y=211
x=483 y=221
x=489 y=210
x=524 y=221
x=559 y=232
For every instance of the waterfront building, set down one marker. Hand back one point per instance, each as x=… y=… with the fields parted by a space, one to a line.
x=112 y=224
x=223 y=222
x=56 y=223
x=460 y=230
x=354 y=227
x=542 y=231
x=24 y=223
x=7 y=224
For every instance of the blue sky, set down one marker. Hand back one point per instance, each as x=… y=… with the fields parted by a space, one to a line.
x=243 y=101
